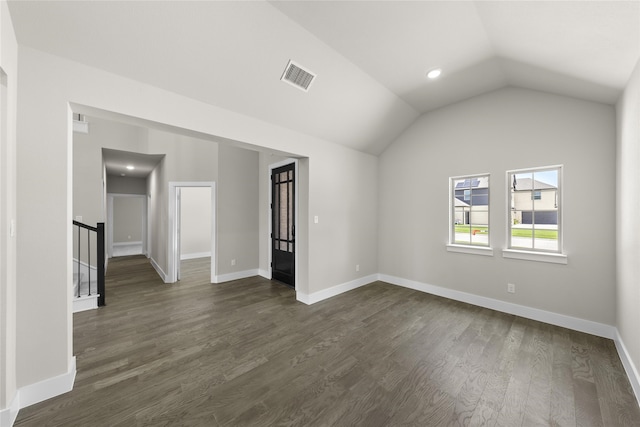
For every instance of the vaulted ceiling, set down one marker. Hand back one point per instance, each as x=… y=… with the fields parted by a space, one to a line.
x=370 y=57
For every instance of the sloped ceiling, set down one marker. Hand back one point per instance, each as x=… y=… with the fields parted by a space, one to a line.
x=370 y=57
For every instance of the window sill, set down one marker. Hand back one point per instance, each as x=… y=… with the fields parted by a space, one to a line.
x=535 y=256
x=473 y=250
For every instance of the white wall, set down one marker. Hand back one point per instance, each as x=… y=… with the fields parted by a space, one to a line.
x=237 y=210
x=87 y=165
x=127 y=219
x=628 y=209
x=126 y=184
x=503 y=130
x=8 y=303
x=186 y=160
x=195 y=225
x=341 y=190
x=89 y=197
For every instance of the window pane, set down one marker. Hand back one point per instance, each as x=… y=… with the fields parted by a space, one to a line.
x=462 y=233
x=534 y=220
x=521 y=231
x=480 y=200
x=284 y=220
x=479 y=235
x=470 y=210
x=460 y=183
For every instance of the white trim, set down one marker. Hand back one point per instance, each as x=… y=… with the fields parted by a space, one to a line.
x=574 y=323
x=560 y=195
x=551 y=257
x=452 y=214
x=51 y=387
x=264 y=273
x=629 y=367
x=85 y=302
x=195 y=255
x=127 y=244
x=303 y=298
x=159 y=270
x=82 y=263
x=296 y=168
x=172 y=245
x=80 y=126
x=335 y=290
x=8 y=415
x=464 y=249
x=235 y=276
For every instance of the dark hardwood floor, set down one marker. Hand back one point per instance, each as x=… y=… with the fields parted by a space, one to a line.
x=246 y=353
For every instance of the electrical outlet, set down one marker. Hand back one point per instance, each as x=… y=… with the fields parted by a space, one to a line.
x=233 y=262
x=357 y=267
x=511 y=288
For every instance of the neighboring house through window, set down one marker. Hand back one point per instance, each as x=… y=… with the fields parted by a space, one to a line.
x=469 y=210
x=535 y=212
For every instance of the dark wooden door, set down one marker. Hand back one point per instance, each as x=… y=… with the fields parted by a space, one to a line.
x=283 y=227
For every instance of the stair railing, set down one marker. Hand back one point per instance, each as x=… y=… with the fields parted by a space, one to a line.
x=99 y=230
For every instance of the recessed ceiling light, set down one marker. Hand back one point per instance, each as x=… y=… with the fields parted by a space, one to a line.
x=123 y=174
x=435 y=73
x=130 y=168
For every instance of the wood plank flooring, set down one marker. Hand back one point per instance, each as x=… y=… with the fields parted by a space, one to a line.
x=246 y=353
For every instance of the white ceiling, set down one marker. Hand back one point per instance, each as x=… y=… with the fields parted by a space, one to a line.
x=116 y=162
x=370 y=56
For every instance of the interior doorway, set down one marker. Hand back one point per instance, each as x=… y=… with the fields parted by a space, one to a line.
x=191 y=225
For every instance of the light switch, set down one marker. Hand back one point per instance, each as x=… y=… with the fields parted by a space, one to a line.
x=315 y=219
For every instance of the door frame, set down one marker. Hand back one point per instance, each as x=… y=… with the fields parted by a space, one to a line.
x=173 y=252
x=110 y=197
x=273 y=166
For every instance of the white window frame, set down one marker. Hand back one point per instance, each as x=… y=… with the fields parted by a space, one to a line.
x=532 y=254
x=468 y=248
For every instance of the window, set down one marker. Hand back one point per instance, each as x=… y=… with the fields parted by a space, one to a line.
x=469 y=210
x=535 y=218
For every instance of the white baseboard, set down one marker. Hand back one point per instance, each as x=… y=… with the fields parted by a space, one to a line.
x=264 y=273
x=121 y=244
x=159 y=270
x=235 y=276
x=195 y=255
x=52 y=387
x=8 y=416
x=335 y=290
x=85 y=303
x=84 y=264
x=581 y=325
x=629 y=367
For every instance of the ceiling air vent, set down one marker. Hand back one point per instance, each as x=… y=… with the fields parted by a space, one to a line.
x=297 y=76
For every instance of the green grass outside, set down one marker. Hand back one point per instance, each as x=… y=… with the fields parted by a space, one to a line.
x=515 y=232
x=466 y=228
x=540 y=234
